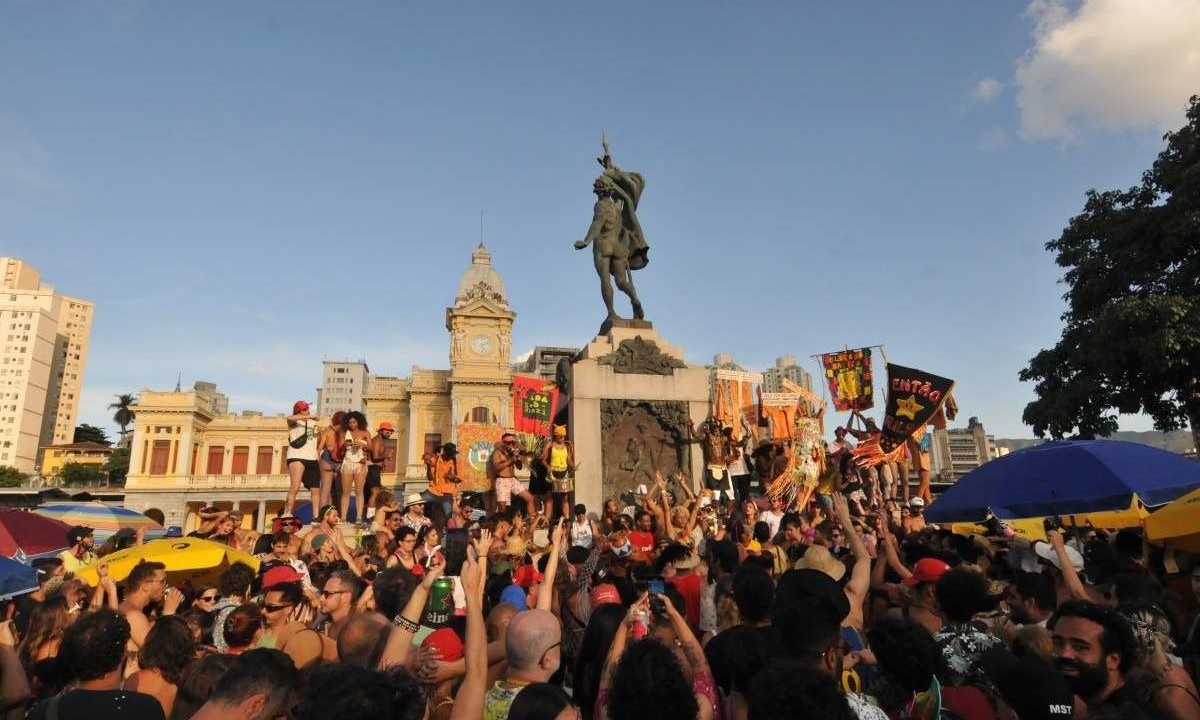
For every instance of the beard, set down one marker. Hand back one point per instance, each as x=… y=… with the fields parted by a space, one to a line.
x=1086 y=679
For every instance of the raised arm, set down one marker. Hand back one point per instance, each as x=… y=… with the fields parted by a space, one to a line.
x=860 y=576
x=1070 y=577
x=545 y=598
x=468 y=701
x=408 y=621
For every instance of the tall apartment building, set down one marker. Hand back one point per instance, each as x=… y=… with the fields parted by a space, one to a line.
x=957 y=451
x=785 y=367
x=342 y=386
x=43 y=351
x=544 y=360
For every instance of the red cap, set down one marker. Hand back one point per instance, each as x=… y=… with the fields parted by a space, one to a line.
x=280 y=574
x=605 y=594
x=446 y=642
x=385 y=425
x=299 y=406
x=926 y=570
x=526 y=576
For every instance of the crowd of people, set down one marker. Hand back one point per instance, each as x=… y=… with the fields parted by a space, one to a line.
x=679 y=600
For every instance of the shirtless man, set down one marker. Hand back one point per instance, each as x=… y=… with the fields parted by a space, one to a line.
x=506 y=458
x=146 y=584
x=378 y=453
x=719 y=450
x=329 y=453
x=618 y=245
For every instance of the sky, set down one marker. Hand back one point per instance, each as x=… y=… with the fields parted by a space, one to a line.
x=246 y=189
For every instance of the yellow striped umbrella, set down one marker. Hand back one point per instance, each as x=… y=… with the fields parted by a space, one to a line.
x=1177 y=524
x=185 y=559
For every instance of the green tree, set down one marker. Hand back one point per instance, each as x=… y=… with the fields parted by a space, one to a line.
x=81 y=474
x=12 y=477
x=91 y=433
x=117 y=466
x=123 y=414
x=1131 y=341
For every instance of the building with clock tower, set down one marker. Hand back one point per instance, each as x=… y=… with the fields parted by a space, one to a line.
x=480 y=325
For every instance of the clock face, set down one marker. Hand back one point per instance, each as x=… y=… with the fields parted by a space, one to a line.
x=481 y=344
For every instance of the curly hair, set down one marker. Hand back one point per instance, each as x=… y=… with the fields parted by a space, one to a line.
x=786 y=690
x=649 y=682
x=236 y=579
x=357 y=417
x=168 y=648
x=962 y=592
x=141 y=573
x=906 y=653
x=94 y=645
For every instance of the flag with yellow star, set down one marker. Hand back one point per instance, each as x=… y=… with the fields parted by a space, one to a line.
x=913 y=396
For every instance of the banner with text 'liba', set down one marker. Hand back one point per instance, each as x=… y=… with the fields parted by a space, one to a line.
x=848 y=374
x=913 y=396
x=535 y=401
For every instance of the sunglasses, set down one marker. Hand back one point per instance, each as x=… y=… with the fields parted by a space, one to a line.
x=209 y=598
x=276 y=608
x=327 y=593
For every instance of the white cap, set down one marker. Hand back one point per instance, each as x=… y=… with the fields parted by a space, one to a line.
x=1046 y=552
x=916 y=502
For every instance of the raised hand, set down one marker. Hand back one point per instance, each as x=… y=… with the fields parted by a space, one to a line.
x=435 y=571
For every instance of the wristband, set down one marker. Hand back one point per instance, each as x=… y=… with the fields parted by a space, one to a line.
x=405 y=624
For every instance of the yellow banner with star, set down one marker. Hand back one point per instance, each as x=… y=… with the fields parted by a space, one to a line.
x=913 y=397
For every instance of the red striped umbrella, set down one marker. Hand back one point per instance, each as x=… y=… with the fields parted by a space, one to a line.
x=26 y=534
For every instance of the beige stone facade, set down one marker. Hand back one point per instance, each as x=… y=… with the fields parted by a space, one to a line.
x=184 y=456
x=43 y=351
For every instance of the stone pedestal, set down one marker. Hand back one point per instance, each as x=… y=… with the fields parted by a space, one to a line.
x=631 y=397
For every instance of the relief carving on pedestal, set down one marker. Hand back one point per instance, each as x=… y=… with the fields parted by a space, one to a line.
x=639 y=437
x=642 y=357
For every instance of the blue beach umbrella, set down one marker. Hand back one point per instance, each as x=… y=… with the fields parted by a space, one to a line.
x=1067 y=477
x=16 y=578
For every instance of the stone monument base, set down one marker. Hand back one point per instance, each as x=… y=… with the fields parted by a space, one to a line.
x=632 y=395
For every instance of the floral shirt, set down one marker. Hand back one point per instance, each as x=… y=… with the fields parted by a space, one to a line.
x=962 y=644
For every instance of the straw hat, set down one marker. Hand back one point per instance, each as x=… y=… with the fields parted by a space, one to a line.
x=818 y=557
x=414 y=499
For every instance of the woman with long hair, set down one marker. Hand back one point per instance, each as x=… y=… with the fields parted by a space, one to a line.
x=356 y=439
x=429 y=543
x=168 y=650
x=589 y=658
x=38 y=648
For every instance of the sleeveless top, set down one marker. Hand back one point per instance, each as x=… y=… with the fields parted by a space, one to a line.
x=582 y=534
x=559 y=457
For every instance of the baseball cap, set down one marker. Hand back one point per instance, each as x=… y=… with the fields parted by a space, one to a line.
x=515 y=595
x=299 y=406
x=916 y=502
x=77 y=533
x=926 y=570
x=385 y=425
x=527 y=576
x=605 y=594
x=1046 y=552
x=447 y=642
x=280 y=574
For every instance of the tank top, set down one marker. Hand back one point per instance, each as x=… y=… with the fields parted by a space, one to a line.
x=354 y=454
x=581 y=535
x=559 y=457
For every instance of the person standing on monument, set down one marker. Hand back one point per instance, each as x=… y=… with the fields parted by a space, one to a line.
x=559 y=457
x=719 y=451
x=329 y=452
x=506 y=459
x=618 y=245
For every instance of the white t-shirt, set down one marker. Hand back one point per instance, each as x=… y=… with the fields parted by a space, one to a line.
x=772 y=518
x=581 y=534
x=309 y=450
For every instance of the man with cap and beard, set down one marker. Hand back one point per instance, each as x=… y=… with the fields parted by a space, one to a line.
x=80 y=554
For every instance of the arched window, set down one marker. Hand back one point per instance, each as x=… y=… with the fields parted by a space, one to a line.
x=481 y=415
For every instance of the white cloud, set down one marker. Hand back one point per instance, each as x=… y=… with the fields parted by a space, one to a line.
x=1111 y=64
x=258 y=369
x=987 y=90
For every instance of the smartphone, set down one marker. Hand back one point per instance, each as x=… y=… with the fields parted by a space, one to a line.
x=656 y=586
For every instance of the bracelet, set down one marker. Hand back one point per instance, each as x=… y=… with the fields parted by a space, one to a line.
x=405 y=624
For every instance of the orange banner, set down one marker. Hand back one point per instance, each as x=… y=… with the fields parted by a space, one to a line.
x=475 y=444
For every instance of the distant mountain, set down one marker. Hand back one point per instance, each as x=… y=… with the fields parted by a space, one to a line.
x=1179 y=441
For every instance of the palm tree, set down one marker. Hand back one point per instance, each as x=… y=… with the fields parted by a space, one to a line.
x=124 y=414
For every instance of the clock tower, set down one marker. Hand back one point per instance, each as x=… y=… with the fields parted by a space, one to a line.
x=480 y=326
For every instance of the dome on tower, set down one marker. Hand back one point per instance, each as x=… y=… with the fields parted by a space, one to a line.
x=481 y=281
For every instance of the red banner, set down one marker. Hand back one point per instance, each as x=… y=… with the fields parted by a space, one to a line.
x=848 y=374
x=535 y=401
